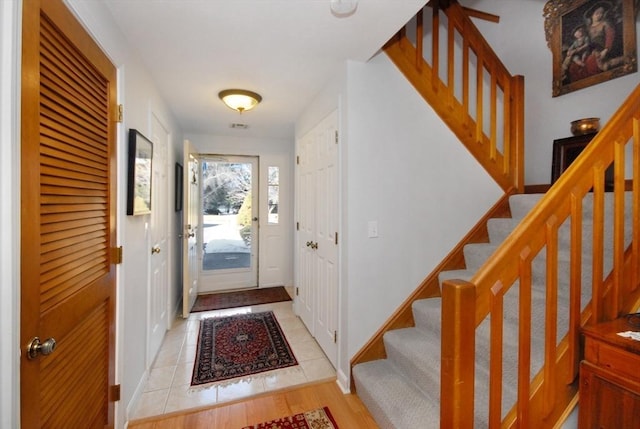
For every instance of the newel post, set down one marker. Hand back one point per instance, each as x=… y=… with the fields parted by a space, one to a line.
x=458 y=354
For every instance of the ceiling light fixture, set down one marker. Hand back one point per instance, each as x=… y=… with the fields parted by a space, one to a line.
x=343 y=8
x=239 y=99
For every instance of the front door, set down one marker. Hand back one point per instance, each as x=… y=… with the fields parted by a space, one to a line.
x=68 y=211
x=191 y=192
x=158 y=286
x=229 y=223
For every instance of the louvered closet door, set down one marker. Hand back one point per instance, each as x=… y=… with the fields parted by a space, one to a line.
x=67 y=221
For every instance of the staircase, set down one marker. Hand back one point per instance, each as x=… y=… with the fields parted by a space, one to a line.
x=491 y=338
x=403 y=390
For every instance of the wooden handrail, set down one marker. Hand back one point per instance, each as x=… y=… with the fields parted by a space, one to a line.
x=459 y=75
x=475 y=95
x=542 y=400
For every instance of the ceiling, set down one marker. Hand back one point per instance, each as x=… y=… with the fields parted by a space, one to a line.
x=285 y=50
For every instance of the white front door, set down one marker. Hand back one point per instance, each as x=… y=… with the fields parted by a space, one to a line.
x=191 y=206
x=317 y=239
x=229 y=219
x=158 y=288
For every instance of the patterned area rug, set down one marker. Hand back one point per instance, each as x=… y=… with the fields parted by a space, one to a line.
x=217 y=301
x=241 y=345
x=314 y=419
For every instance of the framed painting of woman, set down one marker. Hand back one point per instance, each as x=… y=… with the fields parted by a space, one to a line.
x=592 y=41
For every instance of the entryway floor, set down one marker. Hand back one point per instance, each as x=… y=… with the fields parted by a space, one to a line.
x=169 y=389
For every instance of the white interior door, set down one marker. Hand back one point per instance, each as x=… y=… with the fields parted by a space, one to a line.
x=317 y=241
x=191 y=207
x=326 y=241
x=305 y=200
x=158 y=287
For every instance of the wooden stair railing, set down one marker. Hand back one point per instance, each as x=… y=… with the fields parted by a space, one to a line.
x=546 y=397
x=465 y=82
x=467 y=100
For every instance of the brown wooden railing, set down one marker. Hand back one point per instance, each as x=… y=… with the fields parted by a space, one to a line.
x=544 y=397
x=483 y=105
x=451 y=65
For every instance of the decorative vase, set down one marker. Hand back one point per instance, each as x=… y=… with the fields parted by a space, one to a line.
x=585 y=126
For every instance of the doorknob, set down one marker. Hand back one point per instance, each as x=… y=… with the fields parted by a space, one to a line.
x=314 y=245
x=191 y=234
x=155 y=249
x=35 y=347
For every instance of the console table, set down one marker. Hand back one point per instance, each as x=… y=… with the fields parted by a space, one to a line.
x=610 y=377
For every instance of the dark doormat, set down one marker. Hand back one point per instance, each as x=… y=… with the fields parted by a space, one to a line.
x=217 y=301
x=238 y=346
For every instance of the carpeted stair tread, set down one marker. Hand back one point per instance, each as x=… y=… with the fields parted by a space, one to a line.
x=427 y=313
x=455 y=274
x=476 y=254
x=416 y=352
x=521 y=204
x=392 y=399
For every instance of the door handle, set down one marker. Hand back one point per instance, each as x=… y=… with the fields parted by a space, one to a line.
x=36 y=348
x=155 y=249
x=191 y=234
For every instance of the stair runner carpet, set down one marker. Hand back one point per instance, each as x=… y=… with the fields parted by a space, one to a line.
x=403 y=390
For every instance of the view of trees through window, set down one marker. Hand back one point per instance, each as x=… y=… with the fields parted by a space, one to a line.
x=225 y=186
x=227 y=215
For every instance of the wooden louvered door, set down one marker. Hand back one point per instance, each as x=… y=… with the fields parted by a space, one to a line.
x=67 y=222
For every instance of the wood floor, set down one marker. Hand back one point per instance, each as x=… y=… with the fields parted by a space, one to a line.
x=347 y=410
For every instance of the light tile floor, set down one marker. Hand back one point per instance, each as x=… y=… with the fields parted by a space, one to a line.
x=169 y=389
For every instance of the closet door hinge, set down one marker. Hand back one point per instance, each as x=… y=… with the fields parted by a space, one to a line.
x=297 y=291
x=114 y=393
x=297 y=226
x=120 y=113
x=336 y=136
x=335 y=336
x=298 y=160
x=336 y=236
x=116 y=255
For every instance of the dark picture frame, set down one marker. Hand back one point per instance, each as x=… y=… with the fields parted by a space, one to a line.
x=179 y=186
x=589 y=47
x=140 y=170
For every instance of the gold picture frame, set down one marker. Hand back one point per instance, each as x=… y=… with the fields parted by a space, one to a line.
x=592 y=41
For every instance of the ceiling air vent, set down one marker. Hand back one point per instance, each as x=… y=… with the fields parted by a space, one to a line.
x=239 y=126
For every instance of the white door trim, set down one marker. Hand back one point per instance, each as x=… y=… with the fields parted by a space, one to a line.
x=10 y=28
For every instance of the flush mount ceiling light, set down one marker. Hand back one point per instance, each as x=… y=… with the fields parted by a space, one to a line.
x=239 y=99
x=343 y=8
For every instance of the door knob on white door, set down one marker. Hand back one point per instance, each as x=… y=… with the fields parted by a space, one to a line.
x=155 y=249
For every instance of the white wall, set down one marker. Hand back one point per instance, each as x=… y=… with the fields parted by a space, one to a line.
x=271 y=152
x=141 y=99
x=10 y=28
x=525 y=52
x=408 y=172
x=402 y=168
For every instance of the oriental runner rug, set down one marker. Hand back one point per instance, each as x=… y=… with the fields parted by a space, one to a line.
x=320 y=418
x=217 y=301
x=240 y=345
